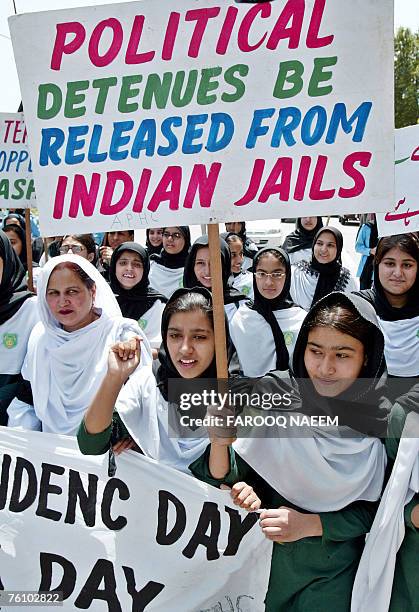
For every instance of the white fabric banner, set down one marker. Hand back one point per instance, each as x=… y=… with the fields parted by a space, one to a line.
x=147 y=113
x=17 y=188
x=404 y=217
x=149 y=538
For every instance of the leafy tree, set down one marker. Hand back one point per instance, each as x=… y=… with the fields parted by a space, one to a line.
x=406 y=77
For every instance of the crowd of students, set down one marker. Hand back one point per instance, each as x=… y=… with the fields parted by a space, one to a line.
x=91 y=355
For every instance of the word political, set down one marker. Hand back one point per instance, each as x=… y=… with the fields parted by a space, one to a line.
x=72 y=37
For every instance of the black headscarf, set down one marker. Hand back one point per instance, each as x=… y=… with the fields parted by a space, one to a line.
x=266 y=307
x=21 y=233
x=15 y=217
x=136 y=301
x=301 y=238
x=231 y=295
x=167 y=368
x=377 y=297
x=174 y=261
x=331 y=272
x=13 y=288
x=151 y=249
x=363 y=406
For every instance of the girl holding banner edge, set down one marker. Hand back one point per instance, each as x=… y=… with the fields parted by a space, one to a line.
x=321 y=492
x=132 y=406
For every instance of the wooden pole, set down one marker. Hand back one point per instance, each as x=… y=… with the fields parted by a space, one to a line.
x=29 y=248
x=46 y=245
x=218 y=301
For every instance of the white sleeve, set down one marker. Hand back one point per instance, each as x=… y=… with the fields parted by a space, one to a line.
x=23 y=416
x=352 y=285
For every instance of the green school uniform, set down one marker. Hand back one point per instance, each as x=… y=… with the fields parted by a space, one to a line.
x=313 y=574
x=98 y=444
x=405 y=594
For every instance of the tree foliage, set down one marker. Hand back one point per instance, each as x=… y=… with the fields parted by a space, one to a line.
x=406 y=77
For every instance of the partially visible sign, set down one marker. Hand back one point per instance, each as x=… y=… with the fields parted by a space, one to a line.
x=17 y=188
x=404 y=217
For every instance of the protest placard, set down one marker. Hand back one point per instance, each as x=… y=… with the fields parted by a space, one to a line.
x=150 y=538
x=17 y=188
x=144 y=114
x=404 y=217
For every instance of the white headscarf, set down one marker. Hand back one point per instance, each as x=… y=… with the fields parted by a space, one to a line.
x=65 y=368
x=374 y=579
x=145 y=413
x=321 y=472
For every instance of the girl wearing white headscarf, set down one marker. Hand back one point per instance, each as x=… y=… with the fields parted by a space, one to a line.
x=320 y=485
x=324 y=273
x=139 y=409
x=67 y=356
x=264 y=331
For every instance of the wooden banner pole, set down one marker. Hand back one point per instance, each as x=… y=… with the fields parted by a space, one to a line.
x=29 y=248
x=218 y=301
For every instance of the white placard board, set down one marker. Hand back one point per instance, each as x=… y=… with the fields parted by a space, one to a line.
x=153 y=114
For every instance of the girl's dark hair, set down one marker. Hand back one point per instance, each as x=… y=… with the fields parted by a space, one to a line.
x=344 y=318
x=83 y=276
x=273 y=252
x=407 y=243
x=233 y=238
x=190 y=302
x=86 y=240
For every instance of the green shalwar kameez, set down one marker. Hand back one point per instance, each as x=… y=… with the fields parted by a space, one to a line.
x=313 y=574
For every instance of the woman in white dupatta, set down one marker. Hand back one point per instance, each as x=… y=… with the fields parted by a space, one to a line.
x=320 y=485
x=68 y=349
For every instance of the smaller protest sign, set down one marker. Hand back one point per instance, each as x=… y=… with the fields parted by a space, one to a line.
x=17 y=189
x=404 y=217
